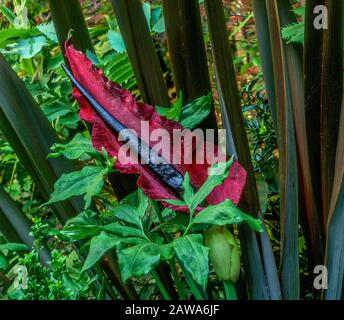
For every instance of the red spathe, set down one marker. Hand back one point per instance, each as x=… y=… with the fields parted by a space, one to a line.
x=122 y=105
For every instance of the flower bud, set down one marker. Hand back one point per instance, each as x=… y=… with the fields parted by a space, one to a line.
x=223 y=253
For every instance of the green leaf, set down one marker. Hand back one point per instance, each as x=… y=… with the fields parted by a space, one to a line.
x=263 y=192
x=131 y=199
x=10 y=16
x=3 y=262
x=6 y=34
x=27 y=48
x=79 y=147
x=300 y=11
x=124 y=231
x=128 y=214
x=70 y=120
x=116 y=41
x=167 y=251
x=226 y=213
x=48 y=30
x=79 y=232
x=100 y=244
x=241 y=25
x=88 y=181
x=177 y=223
x=218 y=173
x=175 y=202
x=118 y=68
x=188 y=191
x=157 y=20
x=174 y=112
x=143 y=203
x=13 y=247
x=190 y=115
x=194 y=256
x=294 y=32
x=138 y=260
x=147 y=11
x=196 y=111
x=93 y=57
x=87 y=217
x=55 y=110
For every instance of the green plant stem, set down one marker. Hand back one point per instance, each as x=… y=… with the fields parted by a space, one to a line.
x=13 y=174
x=241 y=25
x=126 y=290
x=230 y=290
x=199 y=295
x=160 y=285
x=109 y=289
x=66 y=16
x=179 y=284
x=190 y=222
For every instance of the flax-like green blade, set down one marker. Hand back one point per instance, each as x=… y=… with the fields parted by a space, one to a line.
x=335 y=235
x=268 y=257
x=254 y=272
x=339 y=168
x=67 y=16
x=335 y=250
x=140 y=47
x=230 y=93
x=264 y=44
x=312 y=79
x=14 y=225
x=331 y=97
x=270 y=265
x=288 y=162
x=296 y=94
x=187 y=51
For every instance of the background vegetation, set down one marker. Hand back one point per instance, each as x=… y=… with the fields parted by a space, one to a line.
x=256 y=68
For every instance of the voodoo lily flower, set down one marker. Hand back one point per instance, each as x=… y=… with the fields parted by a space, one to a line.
x=121 y=105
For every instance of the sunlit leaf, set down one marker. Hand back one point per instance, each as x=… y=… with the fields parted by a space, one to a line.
x=77 y=148
x=116 y=41
x=89 y=181
x=138 y=260
x=194 y=256
x=226 y=213
x=100 y=244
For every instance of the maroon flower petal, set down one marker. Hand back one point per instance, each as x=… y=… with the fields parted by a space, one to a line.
x=122 y=105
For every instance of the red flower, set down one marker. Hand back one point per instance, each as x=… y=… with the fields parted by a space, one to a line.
x=123 y=106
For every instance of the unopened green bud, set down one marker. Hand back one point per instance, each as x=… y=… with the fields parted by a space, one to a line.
x=223 y=253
